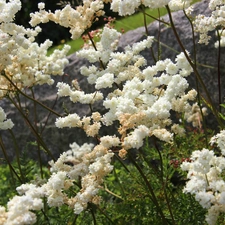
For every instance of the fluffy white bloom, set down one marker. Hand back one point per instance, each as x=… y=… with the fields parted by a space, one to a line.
x=56 y=181
x=8 y=10
x=140 y=46
x=155 y=4
x=72 y=120
x=77 y=95
x=22 y=60
x=41 y=5
x=4 y=122
x=205 y=179
x=109 y=141
x=101 y=166
x=219 y=139
x=176 y=5
x=107 y=44
x=19 y=208
x=204 y=24
x=78 y=20
x=104 y=81
x=163 y=134
x=177 y=129
x=193 y=115
x=141 y=91
x=126 y=7
x=182 y=63
x=135 y=139
x=108 y=38
x=3 y=215
x=85 y=162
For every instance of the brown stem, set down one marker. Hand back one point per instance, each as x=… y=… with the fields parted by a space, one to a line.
x=162 y=180
x=22 y=93
x=146 y=31
x=153 y=197
x=218 y=70
x=39 y=139
x=8 y=161
x=196 y=80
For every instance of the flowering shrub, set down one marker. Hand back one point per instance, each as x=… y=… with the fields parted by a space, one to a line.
x=149 y=106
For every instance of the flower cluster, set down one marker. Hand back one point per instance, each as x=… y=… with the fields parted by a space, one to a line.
x=143 y=97
x=126 y=7
x=4 y=122
x=24 y=63
x=204 y=24
x=195 y=115
x=78 y=20
x=206 y=182
x=88 y=163
x=176 y=5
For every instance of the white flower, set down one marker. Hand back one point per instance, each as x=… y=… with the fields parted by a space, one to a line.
x=8 y=10
x=125 y=7
x=163 y=134
x=41 y=5
x=135 y=139
x=176 y=5
x=78 y=208
x=204 y=24
x=78 y=20
x=219 y=139
x=206 y=181
x=56 y=181
x=109 y=141
x=204 y=198
x=108 y=38
x=104 y=81
x=72 y=120
x=155 y=4
x=5 y=123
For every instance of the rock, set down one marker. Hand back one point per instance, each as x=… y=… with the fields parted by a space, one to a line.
x=58 y=140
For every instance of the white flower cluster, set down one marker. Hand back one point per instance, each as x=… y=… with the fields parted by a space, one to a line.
x=144 y=98
x=176 y=5
x=22 y=60
x=105 y=47
x=206 y=182
x=78 y=20
x=4 y=122
x=194 y=115
x=85 y=162
x=219 y=139
x=8 y=10
x=20 y=209
x=90 y=124
x=127 y=7
x=204 y=24
x=65 y=90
